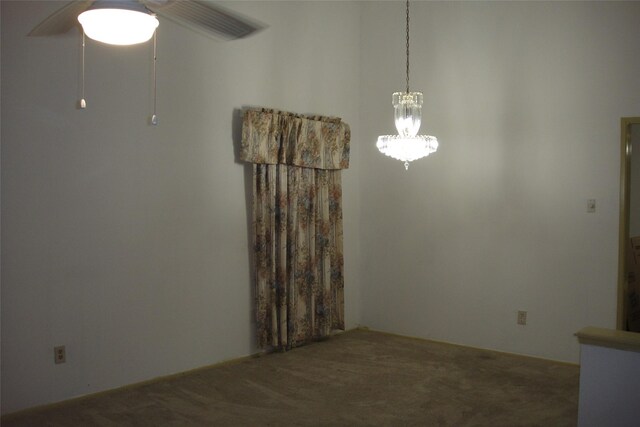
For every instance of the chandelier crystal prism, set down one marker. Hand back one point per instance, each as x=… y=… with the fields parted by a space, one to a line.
x=407 y=145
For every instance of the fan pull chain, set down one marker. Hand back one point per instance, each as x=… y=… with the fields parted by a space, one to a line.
x=154 y=117
x=82 y=103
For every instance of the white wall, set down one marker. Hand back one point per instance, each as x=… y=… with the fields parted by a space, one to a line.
x=526 y=100
x=128 y=243
x=609 y=387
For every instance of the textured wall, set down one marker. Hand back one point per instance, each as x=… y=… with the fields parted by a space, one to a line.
x=526 y=99
x=128 y=243
x=609 y=378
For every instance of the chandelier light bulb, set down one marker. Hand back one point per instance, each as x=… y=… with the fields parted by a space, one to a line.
x=408 y=112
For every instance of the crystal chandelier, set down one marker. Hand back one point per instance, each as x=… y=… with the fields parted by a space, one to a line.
x=407 y=145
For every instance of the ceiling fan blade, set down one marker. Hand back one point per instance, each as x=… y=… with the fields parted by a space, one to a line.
x=204 y=17
x=62 y=20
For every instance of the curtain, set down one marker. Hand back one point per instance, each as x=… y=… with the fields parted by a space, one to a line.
x=297 y=224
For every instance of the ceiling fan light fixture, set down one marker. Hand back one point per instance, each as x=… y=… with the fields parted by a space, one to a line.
x=118 y=25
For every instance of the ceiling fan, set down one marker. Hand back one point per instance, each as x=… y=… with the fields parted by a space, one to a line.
x=200 y=16
x=125 y=22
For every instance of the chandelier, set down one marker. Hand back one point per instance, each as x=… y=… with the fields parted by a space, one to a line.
x=407 y=145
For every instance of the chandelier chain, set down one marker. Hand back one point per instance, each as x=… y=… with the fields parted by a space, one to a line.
x=407 y=46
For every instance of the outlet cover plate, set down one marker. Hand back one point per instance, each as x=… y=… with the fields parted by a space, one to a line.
x=59 y=354
x=522 y=317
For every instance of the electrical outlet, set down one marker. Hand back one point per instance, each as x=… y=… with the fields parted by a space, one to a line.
x=59 y=354
x=522 y=317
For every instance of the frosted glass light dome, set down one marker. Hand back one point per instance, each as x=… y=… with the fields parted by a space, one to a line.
x=118 y=26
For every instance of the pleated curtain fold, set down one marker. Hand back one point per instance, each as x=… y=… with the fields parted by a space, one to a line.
x=297 y=224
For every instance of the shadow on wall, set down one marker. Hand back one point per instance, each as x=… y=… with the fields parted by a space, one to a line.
x=236 y=137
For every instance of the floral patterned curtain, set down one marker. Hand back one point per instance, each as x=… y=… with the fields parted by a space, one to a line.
x=297 y=223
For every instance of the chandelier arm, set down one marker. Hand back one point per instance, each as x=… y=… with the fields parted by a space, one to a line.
x=407 y=46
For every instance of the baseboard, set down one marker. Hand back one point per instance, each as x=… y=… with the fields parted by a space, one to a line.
x=130 y=386
x=563 y=362
x=7 y=417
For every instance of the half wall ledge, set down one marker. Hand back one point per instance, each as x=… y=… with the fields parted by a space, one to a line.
x=612 y=338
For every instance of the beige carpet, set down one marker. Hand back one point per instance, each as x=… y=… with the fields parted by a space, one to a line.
x=359 y=378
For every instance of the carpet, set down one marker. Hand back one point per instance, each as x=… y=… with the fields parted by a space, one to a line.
x=358 y=378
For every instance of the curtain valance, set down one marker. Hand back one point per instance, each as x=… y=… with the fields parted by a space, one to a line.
x=277 y=137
